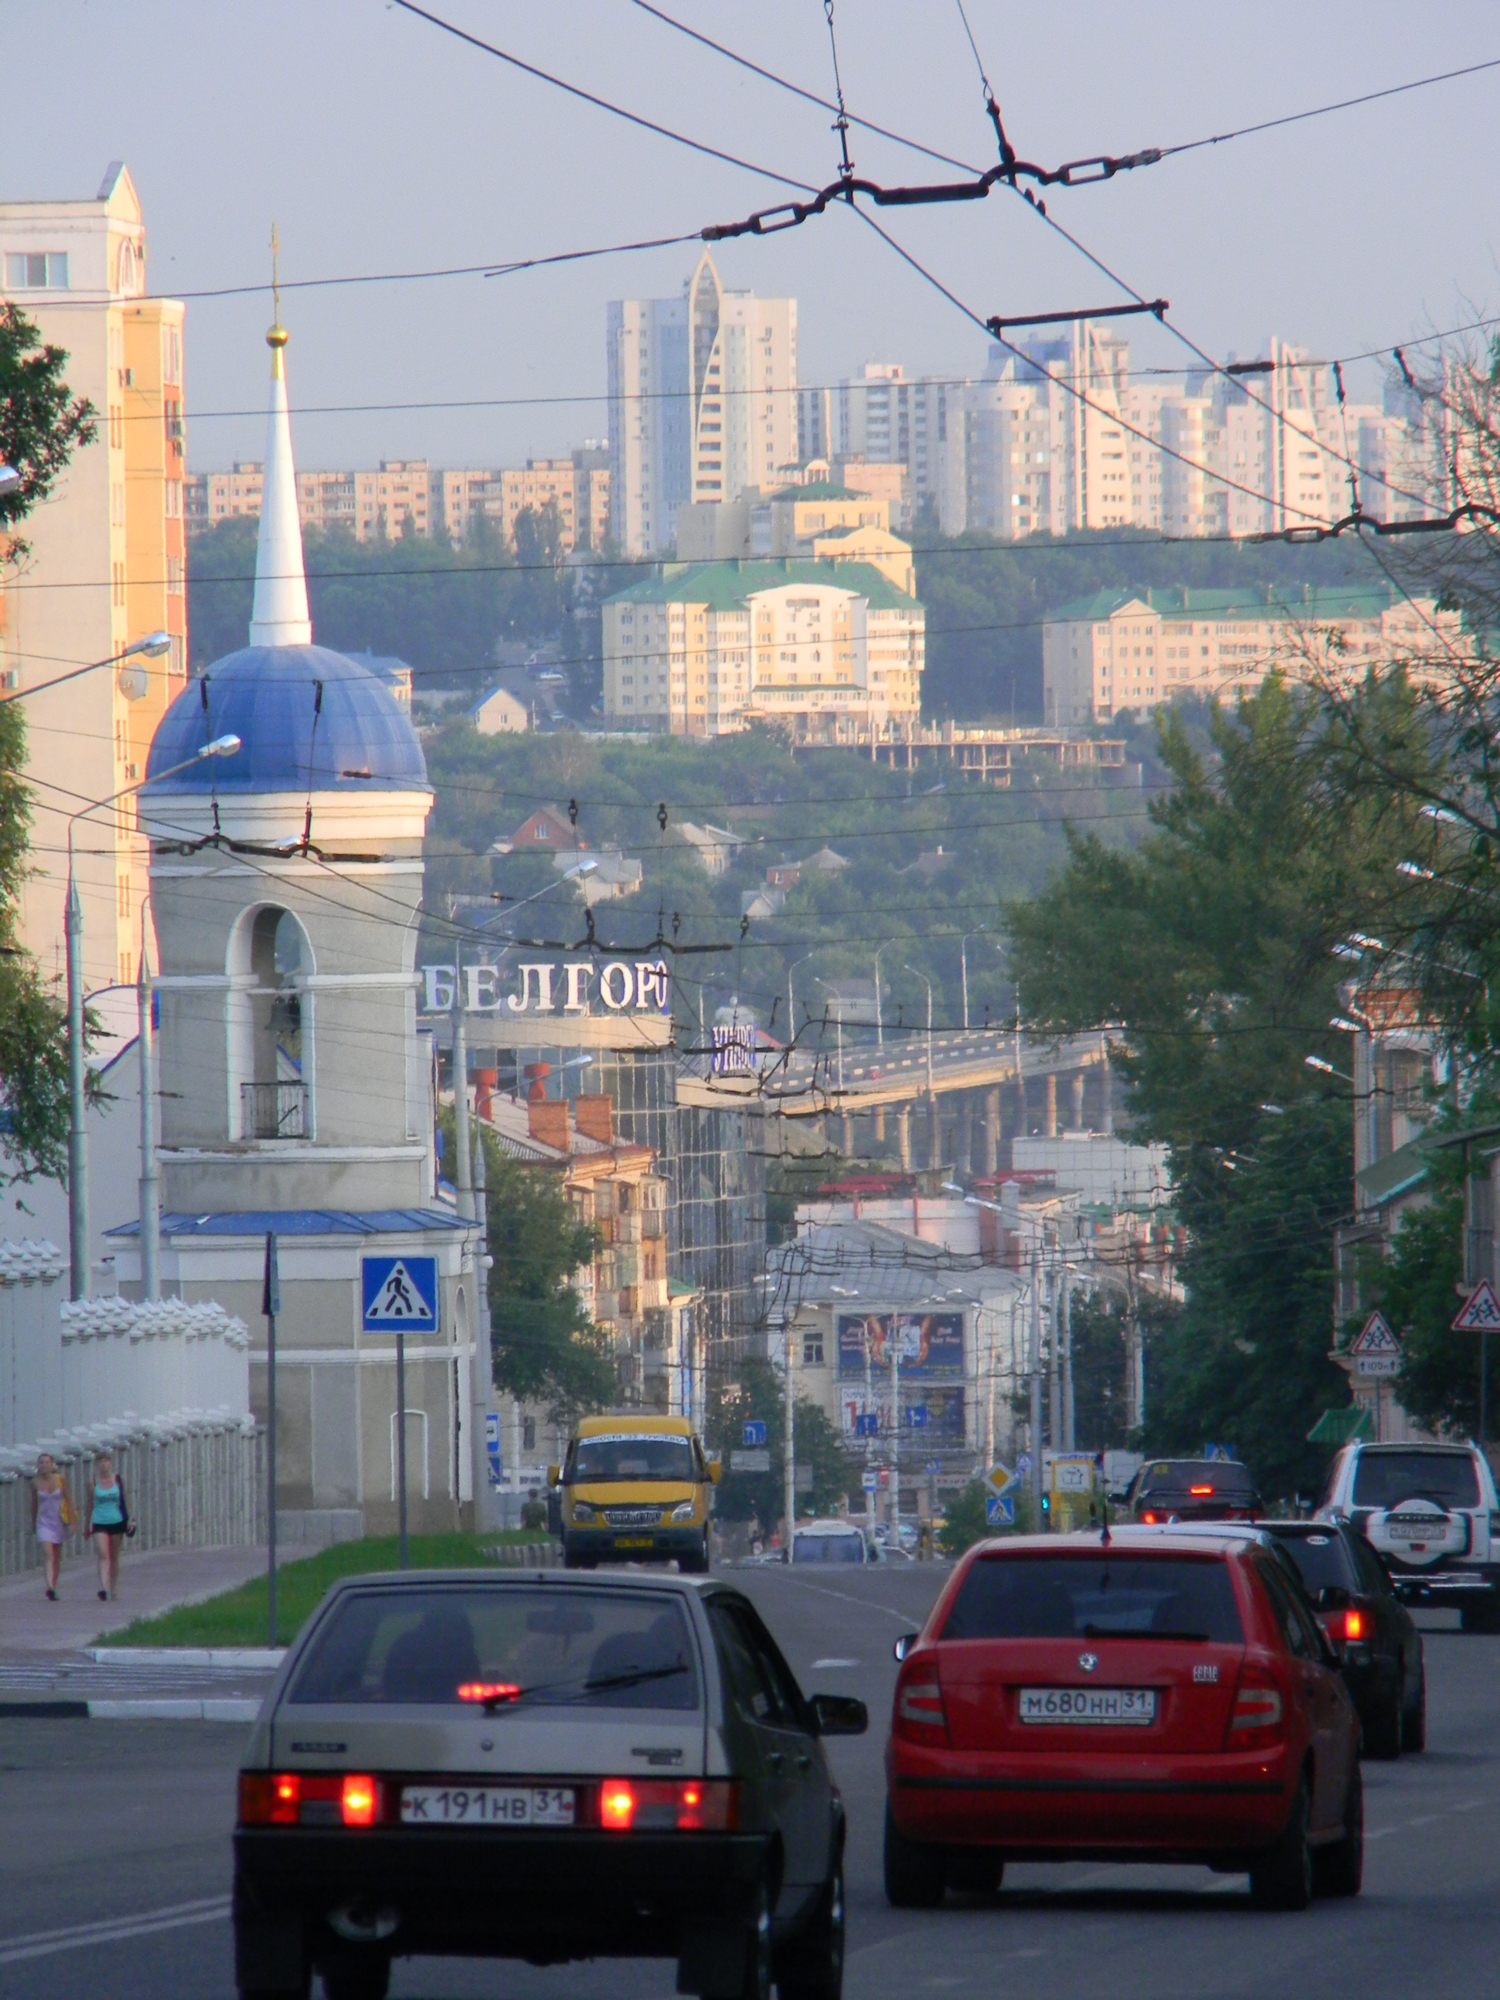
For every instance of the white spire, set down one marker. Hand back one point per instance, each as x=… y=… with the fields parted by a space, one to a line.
x=279 y=614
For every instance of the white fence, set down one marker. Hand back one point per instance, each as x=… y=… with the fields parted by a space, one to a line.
x=194 y=1478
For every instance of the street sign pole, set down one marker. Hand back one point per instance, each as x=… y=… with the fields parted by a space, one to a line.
x=401 y=1441
x=270 y=1305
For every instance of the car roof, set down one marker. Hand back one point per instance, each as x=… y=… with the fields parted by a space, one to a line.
x=626 y=1423
x=511 y=1579
x=1180 y=1539
x=1289 y=1530
x=1468 y=1449
x=829 y=1527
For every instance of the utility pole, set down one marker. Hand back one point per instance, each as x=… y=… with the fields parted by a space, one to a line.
x=270 y=1305
x=1054 y=1363
x=80 y=1277
x=1069 y=1412
x=150 y=1181
x=896 y=1423
x=1034 y=1369
x=482 y=1394
x=790 y=1456
x=463 y=1166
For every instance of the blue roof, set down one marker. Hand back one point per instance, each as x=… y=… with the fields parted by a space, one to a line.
x=305 y=1222
x=357 y=739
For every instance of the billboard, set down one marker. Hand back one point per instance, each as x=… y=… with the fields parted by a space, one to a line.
x=944 y=1403
x=928 y=1346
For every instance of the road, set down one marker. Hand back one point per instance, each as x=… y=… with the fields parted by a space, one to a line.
x=123 y=1828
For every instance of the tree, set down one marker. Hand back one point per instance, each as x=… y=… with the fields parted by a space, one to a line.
x=41 y=425
x=758 y=1393
x=545 y=1346
x=1211 y=944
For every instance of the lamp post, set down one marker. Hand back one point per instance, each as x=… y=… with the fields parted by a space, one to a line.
x=879 y=1023
x=791 y=1004
x=151 y=648
x=963 y=961
x=78 y=1156
x=932 y=1117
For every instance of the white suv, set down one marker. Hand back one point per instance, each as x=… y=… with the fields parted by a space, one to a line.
x=1431 y=1514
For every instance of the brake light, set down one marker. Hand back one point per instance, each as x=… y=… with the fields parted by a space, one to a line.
x=359 y=1801
x=1200 y=1491
x=921 y=1701
x=270 y=1798
x=1257 y=1706
x=1149 y=1519
x=1354 y=1624
x=688 y=1805
x=489 y=1691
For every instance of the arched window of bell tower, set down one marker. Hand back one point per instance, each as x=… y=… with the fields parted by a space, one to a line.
x=270 y=1026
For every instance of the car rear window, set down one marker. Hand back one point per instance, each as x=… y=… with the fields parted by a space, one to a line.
x=1386 y=1478
x=1321 y=1561
x=559 y=1647
x=649 y=1456
x=1088 y=1597
x=1178 y=1475
x=829 y=1549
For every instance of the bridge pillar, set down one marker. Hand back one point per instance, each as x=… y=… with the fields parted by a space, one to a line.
x=903 y=1137
x=1077 y=1120
x=934 y=1132
x=846 y=1135
x=992 y=1130
x=1107 y=1090
x=877 y=1120
x=1050 y=1128
x=964 y=1145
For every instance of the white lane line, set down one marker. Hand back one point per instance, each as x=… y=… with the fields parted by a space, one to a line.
x=41 y=1944
x=864 y=1603
x=1423 y=1819
x=818 y=1664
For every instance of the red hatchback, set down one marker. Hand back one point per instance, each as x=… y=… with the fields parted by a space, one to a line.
x=1142 y=1697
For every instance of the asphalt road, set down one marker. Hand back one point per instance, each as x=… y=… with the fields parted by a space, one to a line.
x=114 y=1862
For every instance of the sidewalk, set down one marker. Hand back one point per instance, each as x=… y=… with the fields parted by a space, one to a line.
x=29 y=1625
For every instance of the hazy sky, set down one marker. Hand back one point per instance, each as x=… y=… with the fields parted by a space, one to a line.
x=379 y=144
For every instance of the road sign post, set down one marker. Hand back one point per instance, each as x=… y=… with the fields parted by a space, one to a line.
x=400 y=1295
x=270 y=1305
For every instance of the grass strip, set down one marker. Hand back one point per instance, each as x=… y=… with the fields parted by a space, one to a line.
x=241 y=1617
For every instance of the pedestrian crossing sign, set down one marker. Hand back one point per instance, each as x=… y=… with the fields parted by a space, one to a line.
x=400 y=1294
x=1481 y=1314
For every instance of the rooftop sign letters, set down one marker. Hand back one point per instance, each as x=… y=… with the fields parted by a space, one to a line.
x=552 y=986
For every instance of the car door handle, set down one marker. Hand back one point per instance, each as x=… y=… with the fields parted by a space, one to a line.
x=775 y=1760
x=804 y=1762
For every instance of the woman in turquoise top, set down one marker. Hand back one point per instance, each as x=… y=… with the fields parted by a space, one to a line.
x=108 y=1521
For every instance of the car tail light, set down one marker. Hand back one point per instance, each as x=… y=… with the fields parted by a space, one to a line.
x=1354 y=1624
x=1258 y=1707
x=666 y=1805
x=489 y=1691
x=1150 y=1519
x=1199 y=1492
x=919 y=1704
x=301 y=1798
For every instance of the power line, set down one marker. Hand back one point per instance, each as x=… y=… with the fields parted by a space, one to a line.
x=1323 y=110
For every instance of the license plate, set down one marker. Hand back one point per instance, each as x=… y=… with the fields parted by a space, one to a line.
x=1108 y=1705
x=632 y=1541
x=1417 y=1531
x=488 y=1805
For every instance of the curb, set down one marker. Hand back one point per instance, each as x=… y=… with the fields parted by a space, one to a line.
x=145 y=1710
x=258 y=1658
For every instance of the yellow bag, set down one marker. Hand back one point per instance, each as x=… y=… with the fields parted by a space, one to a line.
x=69 y=1518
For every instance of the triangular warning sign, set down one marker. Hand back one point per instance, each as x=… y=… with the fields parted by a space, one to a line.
x=399 y=1300
x=1375 y=1337
x=1482 y=1313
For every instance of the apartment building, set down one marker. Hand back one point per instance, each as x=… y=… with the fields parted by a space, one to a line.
x=702 y=402
x=885 y=418
x=380 y=503
x=107 y=566
x=705 y=649
x=1120 y=649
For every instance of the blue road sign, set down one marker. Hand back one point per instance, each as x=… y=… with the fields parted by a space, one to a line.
x=1000 y=1511
x=869 y=1482
x=932 y=1468
x=916 y=1416
x=755 y=1434
x=492 y=1445
x=1218 y=1451
x=400 y=1294
x=867 y=1427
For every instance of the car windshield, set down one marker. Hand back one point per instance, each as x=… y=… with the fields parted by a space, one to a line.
x=1183 y=1475
x=1386 y=1478
x=1321 y=1561
x=597 y=1460
x=828 y=1549
x=1103 y=1596
x=512 y=1646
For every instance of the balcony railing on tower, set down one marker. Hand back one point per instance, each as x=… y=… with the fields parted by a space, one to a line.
x=273 y=1110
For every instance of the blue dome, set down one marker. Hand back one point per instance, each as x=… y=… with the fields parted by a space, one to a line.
x=356 y=739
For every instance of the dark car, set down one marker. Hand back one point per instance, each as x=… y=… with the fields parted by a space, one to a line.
x=1192 y=1489
x=1370 y=1628
x=540 y=1766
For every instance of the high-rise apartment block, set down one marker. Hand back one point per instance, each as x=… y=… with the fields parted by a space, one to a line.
x=402 y=496
x=702 y=402
x=107 y=565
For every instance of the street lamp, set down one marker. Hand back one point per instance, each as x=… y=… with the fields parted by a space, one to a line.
x=928 y=984
x=151 y=648
x=78 y=1155
x=963 y=960
x=879 y=1023
x=791 y=1005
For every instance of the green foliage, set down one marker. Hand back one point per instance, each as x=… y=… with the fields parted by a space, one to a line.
x=42 y=423
x=964 y=1521
x=1212 y=944
x=759 y=1392
x=1097 y=1323
x=545 y=1346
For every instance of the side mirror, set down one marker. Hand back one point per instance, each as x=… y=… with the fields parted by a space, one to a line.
x=1333 y=1597
x=716 y=1470
x=839 y=1715
x=905 y=1643
x=554 y=1475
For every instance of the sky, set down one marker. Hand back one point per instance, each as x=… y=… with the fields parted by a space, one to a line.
x=379 y=144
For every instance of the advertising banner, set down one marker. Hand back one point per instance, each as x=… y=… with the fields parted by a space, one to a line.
x=929 y=1346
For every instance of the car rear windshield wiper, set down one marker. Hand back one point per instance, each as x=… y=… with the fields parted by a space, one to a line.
x=1133 y=1632
x=507 y=1696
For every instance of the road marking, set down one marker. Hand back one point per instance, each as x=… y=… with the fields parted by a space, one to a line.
x=833 y=1663
x=864 y=1603
x=1423 y=1819
x=41 y=1944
